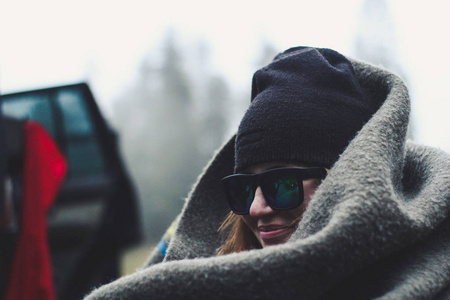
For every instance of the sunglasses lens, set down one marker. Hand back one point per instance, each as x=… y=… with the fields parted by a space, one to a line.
x=282 y=188
x=240 y=194
x=283 y=191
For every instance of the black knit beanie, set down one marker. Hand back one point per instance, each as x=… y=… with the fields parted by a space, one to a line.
x=307 y=105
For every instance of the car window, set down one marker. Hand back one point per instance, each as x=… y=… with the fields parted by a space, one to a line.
x=64 y=113
x=82 y=146
x=30 y=106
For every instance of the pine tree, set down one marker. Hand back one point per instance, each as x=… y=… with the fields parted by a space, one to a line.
x=165 y=138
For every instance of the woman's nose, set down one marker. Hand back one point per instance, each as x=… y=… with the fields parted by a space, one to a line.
x=259 y=207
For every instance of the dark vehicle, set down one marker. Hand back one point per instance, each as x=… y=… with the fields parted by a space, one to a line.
x=95 y=215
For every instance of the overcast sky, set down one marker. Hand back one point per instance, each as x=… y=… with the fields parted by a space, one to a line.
x=46 y=43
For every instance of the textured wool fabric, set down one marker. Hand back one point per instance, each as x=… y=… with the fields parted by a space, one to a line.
x=378 y=227
x=307 y=105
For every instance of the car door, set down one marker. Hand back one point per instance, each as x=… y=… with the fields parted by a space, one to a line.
x=95 y=214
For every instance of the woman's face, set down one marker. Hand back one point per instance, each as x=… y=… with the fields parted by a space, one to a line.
x=273 y=227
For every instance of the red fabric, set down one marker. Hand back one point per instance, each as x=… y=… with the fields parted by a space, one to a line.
x=44 y=169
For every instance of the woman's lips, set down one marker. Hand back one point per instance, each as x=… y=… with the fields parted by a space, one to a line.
x=271 y=232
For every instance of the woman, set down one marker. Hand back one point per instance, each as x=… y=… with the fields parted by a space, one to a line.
x=267 y=202
x=306 y=106
x=372 y=219
x=259 y=219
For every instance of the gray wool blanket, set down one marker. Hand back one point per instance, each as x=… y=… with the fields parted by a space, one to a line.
x=378 y=227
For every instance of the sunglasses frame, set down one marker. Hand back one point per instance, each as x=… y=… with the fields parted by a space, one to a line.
x=256 y=179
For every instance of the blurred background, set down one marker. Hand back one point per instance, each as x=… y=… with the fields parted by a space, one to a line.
x=173 y=78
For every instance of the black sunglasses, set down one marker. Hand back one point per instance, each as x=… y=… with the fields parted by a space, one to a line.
x=282 y=188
